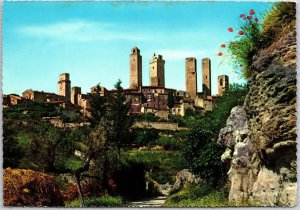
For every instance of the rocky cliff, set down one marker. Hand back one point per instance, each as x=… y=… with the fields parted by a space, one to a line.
x=261 y=136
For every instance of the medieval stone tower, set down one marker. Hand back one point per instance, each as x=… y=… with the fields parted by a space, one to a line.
x=157 y=71
x=64 y=85
x=206 y=77
x=74 y=94
x=223 y=84
x=191 y=76
x=135 y=68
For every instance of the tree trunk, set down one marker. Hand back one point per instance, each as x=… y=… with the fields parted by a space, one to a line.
x=79 y=189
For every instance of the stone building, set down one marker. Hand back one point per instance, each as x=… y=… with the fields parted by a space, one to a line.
x=41 y=96
x=206 y=76
x=74 y=94
x=191 y=76
x=157 y=71
x=64 y=85
x=223 y=84
x=135 y=69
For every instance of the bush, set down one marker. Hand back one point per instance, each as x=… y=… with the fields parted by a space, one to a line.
x=198 y=196
x=169 y=143
x=163 y=165
x=256 y=34
x=202 y=152
x=105 y=201
x=145 y=137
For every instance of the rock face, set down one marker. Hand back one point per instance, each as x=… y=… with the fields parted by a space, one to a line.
x=30 y=188
x=261 y=136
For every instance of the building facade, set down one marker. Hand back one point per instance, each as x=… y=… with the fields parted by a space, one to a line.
x=135 y=69
x=157 y=71
x=223 y=84
x=191 y=76
x=206 y=77
x=64 y=85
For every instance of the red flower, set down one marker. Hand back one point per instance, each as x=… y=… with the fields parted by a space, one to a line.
x=242 y=15
x=252 y=12
x=241 y=32
x=230 y=29
x=223 y=45
x=220 y=54
x=249 y=17
x=256 y=19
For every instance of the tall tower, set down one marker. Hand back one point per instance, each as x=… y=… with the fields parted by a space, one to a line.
x=206 y=77
x=64 y=85
x=135 y=68
x=191 y=76
x=223 y=84
x=157 y=71
x=74 y=95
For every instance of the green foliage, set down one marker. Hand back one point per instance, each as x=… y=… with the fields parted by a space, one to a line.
x=148 y=117
x=145 y=137
x=245 y=46
x=163 y=165
x=202 y=152
x=121 y=122
x=105 y=201
x=169 y=143
x=12 y=150
x=31 y=110
x=198 y=196
x=98 y=107
x=281 y=19
x=73 y=164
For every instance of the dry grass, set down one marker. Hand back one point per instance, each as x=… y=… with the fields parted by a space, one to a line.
x=30 y=188
x=279 y=21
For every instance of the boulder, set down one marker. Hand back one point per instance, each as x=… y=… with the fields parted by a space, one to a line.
x=185 y=178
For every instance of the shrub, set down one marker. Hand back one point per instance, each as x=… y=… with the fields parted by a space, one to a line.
x=201 y=151
x=105 y=201
x=169 y=143
x=255 y=34
x=198 y=196
x=145 y=137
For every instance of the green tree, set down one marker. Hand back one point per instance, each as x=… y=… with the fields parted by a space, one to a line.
x=121 y=121
x=202 y=152
x=98 y=106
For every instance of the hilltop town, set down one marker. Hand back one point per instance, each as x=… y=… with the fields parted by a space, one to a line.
x=154 y=98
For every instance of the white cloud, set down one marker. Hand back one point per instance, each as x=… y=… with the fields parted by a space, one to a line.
x=80 y=30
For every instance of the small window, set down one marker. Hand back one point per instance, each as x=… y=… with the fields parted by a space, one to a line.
x=221 y=82
x=206 y=77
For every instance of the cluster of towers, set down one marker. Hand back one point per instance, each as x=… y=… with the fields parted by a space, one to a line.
x=157 y=81
x=157 y=70
x=157 y=74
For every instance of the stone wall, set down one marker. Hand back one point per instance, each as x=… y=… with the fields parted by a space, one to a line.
x=158 y=125
x=261 y=136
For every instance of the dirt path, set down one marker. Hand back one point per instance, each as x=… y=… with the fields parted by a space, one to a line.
x=149 y=202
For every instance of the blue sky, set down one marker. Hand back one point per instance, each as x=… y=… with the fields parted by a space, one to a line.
x=92 y=41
